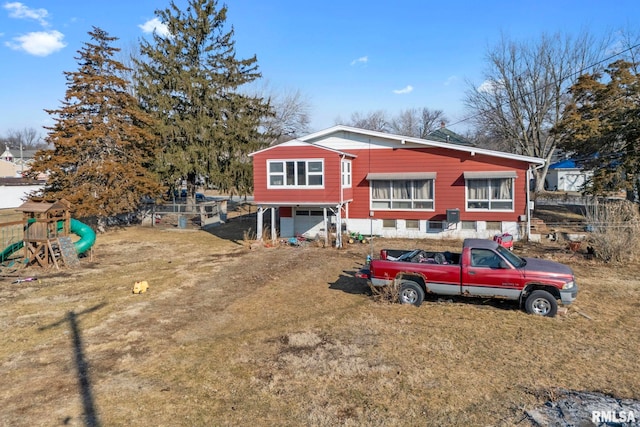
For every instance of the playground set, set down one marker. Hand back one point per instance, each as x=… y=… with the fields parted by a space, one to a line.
x=43 y=237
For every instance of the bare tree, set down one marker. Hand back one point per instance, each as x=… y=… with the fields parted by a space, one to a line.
x=129 y=56
x=417 y=122
x=28 y=138
x=374 y=120
x=291 y=116
x=524 y=92
x=627 y=46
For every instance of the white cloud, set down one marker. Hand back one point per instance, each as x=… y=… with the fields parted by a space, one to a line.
x=488 y=86
x=20 y=11
x=39 y=43
x=407 y=89
x=450 y=80
x=361 y=60
x=155 y=25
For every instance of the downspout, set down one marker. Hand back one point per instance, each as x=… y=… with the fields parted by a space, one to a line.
x=529 y=210
x=339 y=232
x=527 y=191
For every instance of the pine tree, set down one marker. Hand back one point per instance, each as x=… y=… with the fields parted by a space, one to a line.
x=191 y=81
x=102 y=146
x=601 y=125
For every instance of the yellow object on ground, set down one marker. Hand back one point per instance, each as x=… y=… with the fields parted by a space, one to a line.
x=140 y=287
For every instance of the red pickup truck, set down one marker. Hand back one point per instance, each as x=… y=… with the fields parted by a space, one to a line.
x=483 y=269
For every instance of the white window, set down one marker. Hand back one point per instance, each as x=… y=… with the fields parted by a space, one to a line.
x=469 y=225
x=346 y=173
x=295 y=173
x=389 y=223
x=402 y=194
x=489 y=191
x=412 y=224
x=494 y=225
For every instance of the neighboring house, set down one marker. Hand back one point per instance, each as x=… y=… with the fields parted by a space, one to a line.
x=445 y=135
x=374 y=183
x=8 y=169
x=19 y=164
x=14 y=189
x=566 y=175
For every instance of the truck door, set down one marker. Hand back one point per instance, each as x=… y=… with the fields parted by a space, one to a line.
x=487 y=273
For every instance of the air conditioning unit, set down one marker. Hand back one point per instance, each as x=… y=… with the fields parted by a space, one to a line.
x=453 y=216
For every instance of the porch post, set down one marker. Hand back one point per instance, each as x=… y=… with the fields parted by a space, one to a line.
x=273 y=225
x=326 y=227
x=346 y=216
x=339 y=227
x=259 y=223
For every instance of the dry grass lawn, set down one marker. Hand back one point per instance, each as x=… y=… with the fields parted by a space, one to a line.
x=286 y=336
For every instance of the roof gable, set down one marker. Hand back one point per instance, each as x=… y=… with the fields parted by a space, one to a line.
x=345 y=137
x=300 y=143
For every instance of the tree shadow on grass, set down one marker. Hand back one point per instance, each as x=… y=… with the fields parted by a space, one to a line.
x=235 y=229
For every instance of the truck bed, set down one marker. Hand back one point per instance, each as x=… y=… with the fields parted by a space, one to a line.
x=421 y=256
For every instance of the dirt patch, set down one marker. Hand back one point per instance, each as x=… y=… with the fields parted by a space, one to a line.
x=287 y=336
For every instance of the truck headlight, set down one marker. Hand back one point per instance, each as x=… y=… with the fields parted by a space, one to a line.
x=568 y=285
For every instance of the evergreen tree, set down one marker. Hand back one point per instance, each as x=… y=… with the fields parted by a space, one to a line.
x=102 y=146
x=601 y=125
x=190 y=82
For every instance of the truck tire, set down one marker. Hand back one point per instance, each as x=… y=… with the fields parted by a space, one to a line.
x=541 y=303
x=411 y=293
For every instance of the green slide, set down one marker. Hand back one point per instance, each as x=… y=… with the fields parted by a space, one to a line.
x=4 y=255
x=86 y=233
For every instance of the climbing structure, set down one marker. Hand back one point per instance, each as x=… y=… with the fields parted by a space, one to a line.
x=46 y=221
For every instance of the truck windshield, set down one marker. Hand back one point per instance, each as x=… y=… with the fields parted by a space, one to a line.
x=514 y=259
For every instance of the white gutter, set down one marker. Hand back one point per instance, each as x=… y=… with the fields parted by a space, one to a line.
x=529 y=210
x=339 y=231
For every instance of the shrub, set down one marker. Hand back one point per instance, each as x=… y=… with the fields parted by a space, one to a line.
x=615 y=228
x=386 y=294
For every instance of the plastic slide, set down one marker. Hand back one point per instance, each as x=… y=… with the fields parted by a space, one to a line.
x=4 y=255
x=86 y=233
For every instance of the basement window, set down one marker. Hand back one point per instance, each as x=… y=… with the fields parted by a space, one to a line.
x=389 y=223
x=412 y=224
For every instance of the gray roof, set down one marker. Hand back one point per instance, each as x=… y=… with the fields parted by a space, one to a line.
x=445 y=135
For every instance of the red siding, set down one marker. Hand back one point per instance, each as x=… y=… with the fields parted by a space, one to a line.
x=329 y=194
x=449 y=165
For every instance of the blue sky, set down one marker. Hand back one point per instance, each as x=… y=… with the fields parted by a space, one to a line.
x=343 y=56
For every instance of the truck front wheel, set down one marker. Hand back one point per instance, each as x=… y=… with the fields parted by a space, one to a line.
x=411 y=293
x=541 y=303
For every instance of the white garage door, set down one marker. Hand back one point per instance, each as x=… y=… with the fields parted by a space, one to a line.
x=309 y=222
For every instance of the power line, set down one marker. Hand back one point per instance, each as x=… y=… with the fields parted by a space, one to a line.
x=562 y=79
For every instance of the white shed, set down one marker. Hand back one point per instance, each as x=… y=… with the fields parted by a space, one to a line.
x=566 y=176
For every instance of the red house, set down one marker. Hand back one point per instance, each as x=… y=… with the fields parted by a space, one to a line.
x=375 y=183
